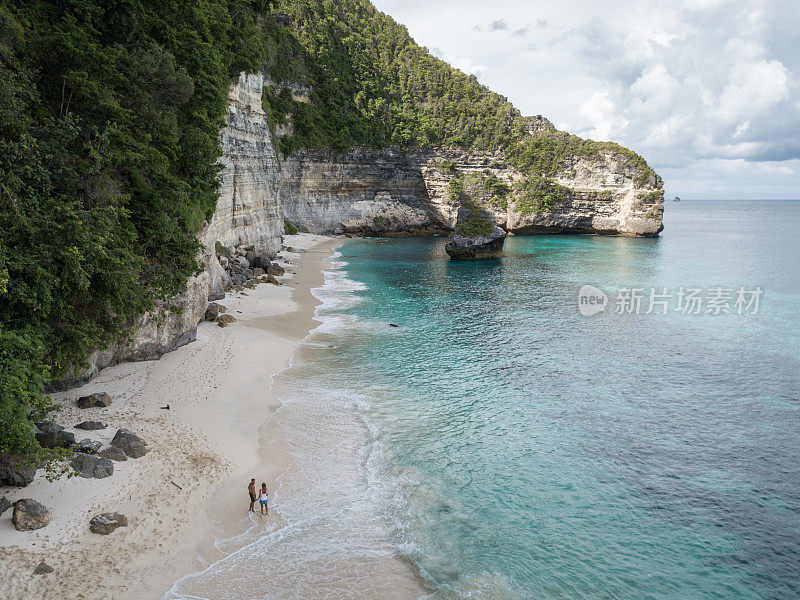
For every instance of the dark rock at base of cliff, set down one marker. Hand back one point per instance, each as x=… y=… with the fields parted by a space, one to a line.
x=216 y=295
x=130 y=443
x=225 y=320
x=261 y=262
x=5 y=504
x=30 y=515
x=212 y=311
x=114 y=453
x=90 y=425
x=258 y=271
x=53 y=436
x=476 y=236
x=276 y=270
x=91 y=466
x=105 y=523
x=48 y=426
x=15 y=471
x=100 y=399
x=42 y=569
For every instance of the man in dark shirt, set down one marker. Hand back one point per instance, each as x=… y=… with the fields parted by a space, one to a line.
x=252 y=489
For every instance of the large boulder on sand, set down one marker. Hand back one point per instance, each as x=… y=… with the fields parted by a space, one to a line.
x=15 y=471
x=99 y=399
x=48 y=426
x=476 y=235
x=212 y=311
x=225 y=320
x=114 y=453
x=130 y=443
x=92 y=466
x=51 y=435
x=88 y=446
x=276 y=270
x=29 y=515
x=105 y=523
x=90 y=425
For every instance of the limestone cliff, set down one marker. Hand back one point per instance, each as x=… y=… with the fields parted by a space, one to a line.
x=248 y=210
x=609 y=195
x=365 y=191
x=387 y=192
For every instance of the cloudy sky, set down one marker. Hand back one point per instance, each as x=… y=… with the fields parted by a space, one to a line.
x=706 y=90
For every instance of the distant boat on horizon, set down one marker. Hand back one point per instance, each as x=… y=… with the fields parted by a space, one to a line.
x=676 y=199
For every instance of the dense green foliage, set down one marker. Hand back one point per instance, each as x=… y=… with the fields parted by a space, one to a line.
x=109 y=122
x=538 y=194
x=545 y=152
x=484 y=188
x=373 y=85
x=445 y=166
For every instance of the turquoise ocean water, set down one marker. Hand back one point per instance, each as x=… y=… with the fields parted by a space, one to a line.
x=505 y=446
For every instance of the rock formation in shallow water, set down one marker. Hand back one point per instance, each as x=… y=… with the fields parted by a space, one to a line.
x=476 y=235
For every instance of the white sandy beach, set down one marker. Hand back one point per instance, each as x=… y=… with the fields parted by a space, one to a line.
x=209 y=443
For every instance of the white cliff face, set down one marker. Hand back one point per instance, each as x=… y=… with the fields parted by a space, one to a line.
x=387 y=192
x=363 y=191
x=608 y=199
x=248 y=210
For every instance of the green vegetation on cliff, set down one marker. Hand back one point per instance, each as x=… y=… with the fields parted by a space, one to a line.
x=373 y=85
x=484 y=188
x=473 y=220
x=109 y=138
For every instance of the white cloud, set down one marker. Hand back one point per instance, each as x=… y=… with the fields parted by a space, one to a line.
x=754 y=87
x=699 y=86
x=465 y=64
x=598 y=109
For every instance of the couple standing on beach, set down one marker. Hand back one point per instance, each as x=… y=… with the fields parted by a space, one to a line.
x=262 y=497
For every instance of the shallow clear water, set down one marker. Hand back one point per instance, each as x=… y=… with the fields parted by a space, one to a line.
x=505 y=446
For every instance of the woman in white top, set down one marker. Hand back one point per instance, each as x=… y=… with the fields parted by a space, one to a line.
x=262 y=499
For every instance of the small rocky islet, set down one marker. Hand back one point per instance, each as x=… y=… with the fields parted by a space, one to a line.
x=476 y=234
